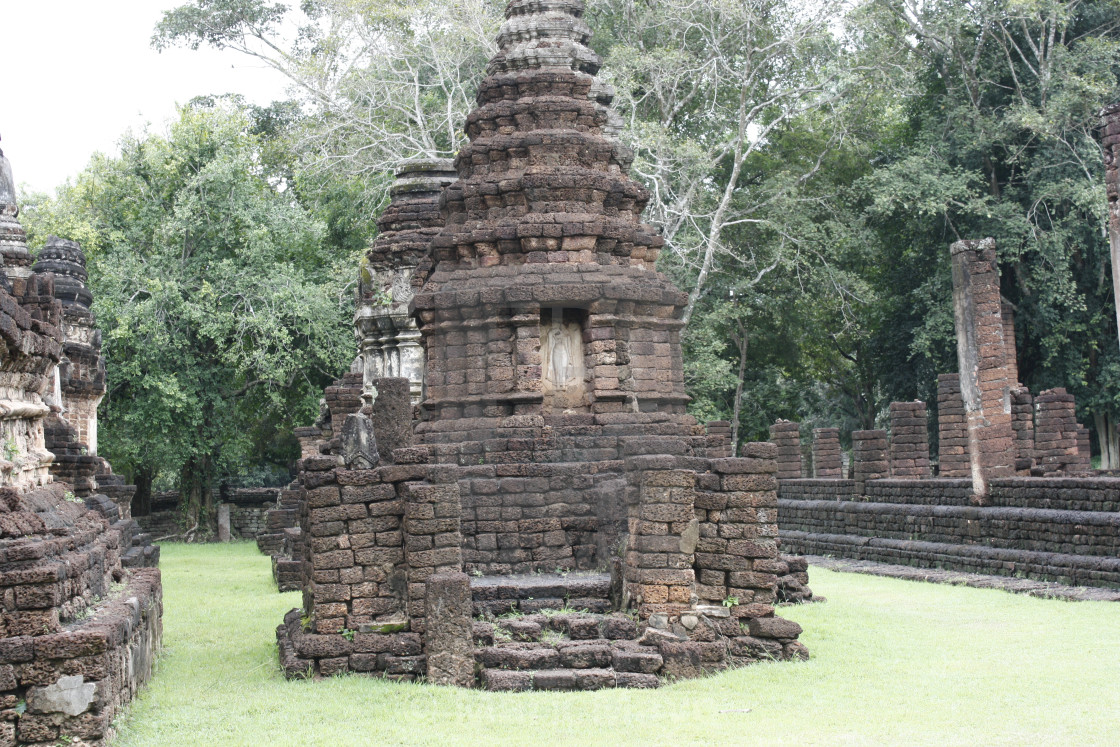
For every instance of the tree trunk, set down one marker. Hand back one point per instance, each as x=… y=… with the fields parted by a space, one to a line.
x=196 y=497
x=142 y=500
x=1109 y=440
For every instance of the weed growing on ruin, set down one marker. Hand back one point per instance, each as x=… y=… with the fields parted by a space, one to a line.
x=512 y=612
x=71 y=498
x=566 y=610
x=551 y=636
x=305 y=623
x=11 y=450
x=348 y=634
x=730 y=601
x=502 y=635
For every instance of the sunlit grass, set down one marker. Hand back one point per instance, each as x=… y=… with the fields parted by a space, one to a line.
x=894 y=662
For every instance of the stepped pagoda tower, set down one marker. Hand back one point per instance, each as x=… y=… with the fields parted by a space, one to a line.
x=544 y=299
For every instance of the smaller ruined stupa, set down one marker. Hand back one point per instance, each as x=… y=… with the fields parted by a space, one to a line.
x=388 y=335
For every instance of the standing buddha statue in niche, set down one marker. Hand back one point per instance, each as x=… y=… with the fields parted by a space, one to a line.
x=562 y=359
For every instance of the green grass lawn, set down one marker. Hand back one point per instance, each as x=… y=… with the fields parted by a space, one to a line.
x=893 y=662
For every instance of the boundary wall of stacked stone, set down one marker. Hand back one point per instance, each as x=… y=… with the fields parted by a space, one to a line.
x=1051 y=529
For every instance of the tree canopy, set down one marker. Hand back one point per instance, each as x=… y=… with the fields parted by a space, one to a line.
x=223 y=308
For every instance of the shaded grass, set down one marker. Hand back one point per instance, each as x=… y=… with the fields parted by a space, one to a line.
x=894 y=662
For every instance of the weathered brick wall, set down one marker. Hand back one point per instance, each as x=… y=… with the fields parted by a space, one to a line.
x=162 y=523
x=812 y=489
x=1055 y=529
x=248 y=513
x=547 y=493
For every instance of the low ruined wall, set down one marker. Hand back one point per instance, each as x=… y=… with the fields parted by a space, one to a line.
x=161 y=523
x=385 y=593
x=248 y=513
x=74 y=682
x=79 y=633
x=1064 y=529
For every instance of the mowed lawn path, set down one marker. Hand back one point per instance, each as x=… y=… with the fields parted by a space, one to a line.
x=893 y=663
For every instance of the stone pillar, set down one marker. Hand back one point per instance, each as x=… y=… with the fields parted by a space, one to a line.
x=663 y=532
x=224 y=530
x=1055 y=432
x=433 y=540
x=719 y=439
x=982 y=355
x=909 y=440
x=1022 y=423
x=1010 y=347
x=952 y=428
x=807 y=458
x=448 y=642
x=787 y=437
x=870 y=459
x=826 y=454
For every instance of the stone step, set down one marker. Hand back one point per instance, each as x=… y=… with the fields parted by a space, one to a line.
x=623 y=656
x=498 y=595
x=506 y=680
x=574 y=626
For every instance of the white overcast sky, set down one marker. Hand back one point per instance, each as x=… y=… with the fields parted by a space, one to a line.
x=79 y=73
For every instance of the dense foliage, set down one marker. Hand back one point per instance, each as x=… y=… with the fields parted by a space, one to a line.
x=222 y=306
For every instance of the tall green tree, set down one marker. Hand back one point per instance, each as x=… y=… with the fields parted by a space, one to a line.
x=223 y=309
x=1001 y=101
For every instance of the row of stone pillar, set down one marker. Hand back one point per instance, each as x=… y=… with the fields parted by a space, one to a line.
x=1047 y=437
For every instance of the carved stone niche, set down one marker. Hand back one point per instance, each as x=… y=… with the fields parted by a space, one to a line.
x=563 y=371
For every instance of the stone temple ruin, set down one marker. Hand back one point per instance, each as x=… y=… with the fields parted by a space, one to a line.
x=554 y=519
x=1014 y=494
x=80 y=621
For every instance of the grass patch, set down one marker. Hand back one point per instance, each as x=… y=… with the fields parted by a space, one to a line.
x=894 y=662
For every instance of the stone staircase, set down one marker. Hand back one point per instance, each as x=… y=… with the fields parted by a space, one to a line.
x=500 y=595
x=137 y=550
x=556 y=632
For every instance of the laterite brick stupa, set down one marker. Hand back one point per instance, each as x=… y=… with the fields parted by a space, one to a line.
x=544 y=298
x=555 y=461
